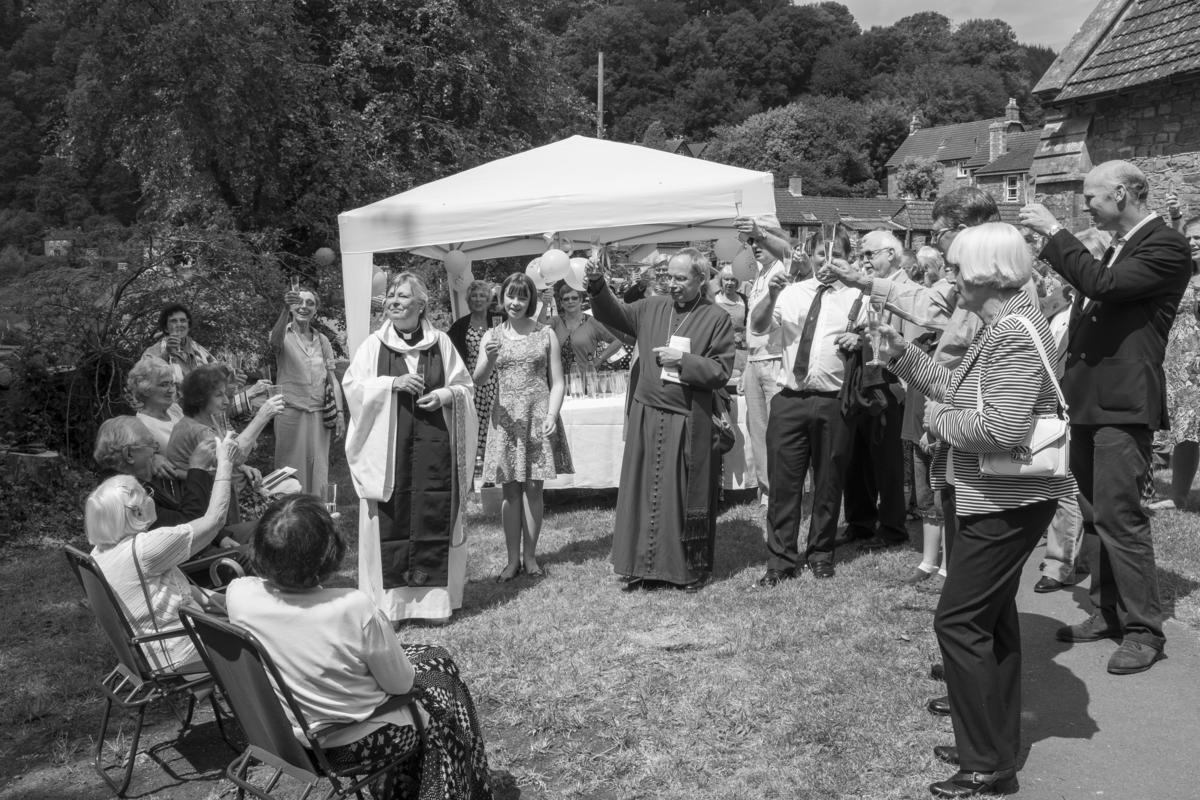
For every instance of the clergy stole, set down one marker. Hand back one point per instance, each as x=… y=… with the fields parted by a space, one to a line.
x=416 y=522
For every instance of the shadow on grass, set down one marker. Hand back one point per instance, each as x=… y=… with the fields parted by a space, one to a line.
x=1054 y=701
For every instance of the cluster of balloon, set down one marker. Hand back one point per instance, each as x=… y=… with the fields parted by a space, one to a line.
x=534 y=271
x=324 y=256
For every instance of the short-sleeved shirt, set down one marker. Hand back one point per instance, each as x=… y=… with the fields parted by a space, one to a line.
x=160 y=552
x=346 y=663
x=761 y=347
x=302 y=367
x=585 y=338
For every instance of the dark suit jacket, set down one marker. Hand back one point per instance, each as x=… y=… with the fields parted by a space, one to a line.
x=1114 y=367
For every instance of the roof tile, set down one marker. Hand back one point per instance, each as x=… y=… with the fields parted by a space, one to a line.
x=963 y=140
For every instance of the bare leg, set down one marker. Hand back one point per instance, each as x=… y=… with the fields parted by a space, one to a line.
x=1184 y=461
x=510 y=516
x=532 y=497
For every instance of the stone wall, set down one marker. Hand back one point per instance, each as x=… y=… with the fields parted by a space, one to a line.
x=1156 y=127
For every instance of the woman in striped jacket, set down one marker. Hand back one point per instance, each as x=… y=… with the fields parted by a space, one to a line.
x=985 y=406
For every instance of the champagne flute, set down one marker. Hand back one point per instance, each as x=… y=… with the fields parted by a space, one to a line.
x=330 y=498
x=874 y=318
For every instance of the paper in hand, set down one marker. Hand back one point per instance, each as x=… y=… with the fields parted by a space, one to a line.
x=671 y=374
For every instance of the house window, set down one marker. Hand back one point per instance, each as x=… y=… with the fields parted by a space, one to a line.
x=963 y=172
x=1012 y=188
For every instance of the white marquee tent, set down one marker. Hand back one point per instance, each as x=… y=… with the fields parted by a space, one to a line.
x=587 y=190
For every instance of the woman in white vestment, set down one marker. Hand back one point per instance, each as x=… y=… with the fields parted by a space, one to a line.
x=411 y=451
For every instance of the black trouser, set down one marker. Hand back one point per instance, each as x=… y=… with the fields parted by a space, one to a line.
x=979 y=633
x=804 y=429
x=1110 y=463
x=874 y=486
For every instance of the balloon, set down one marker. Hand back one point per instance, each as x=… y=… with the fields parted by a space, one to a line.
x=379 y=282
x=577 y=277
x=534 y=271
x=457 y=262
x=324 y=256
x=727 y=248
x=555 y=265
x=745 y=267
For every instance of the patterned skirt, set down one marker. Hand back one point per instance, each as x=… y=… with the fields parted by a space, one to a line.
x=453 y=765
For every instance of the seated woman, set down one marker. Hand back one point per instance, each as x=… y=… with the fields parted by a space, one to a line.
x=151 y=387
x=141 y=563
x=205 y=398
x=349 y=662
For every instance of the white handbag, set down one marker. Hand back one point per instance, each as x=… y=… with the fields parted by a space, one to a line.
x=1046 y=448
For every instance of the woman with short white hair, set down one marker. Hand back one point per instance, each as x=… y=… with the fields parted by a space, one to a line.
x=983 y=407
x=142 y=564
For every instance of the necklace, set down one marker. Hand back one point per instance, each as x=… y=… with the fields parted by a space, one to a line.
x=672 y=328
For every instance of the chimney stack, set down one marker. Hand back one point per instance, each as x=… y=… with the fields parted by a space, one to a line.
x=914 y=124
x=1011 y=112
x=997 y=140
x=796 y=186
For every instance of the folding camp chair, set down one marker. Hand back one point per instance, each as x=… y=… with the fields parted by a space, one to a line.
x=254 y=689
x=133 y=683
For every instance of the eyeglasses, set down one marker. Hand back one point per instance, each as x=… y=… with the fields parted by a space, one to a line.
x=869 y=254
x=940 y=233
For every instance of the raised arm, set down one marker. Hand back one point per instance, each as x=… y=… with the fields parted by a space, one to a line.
x=205 y=529
x=762 y=316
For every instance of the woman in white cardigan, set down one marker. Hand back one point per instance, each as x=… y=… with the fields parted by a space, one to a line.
x=411 y=451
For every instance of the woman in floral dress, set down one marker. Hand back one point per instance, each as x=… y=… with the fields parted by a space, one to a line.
x=1182 y=365
x=525 y=444
x=466 y=333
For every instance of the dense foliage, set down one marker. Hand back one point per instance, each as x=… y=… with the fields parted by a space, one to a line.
x=231 y=133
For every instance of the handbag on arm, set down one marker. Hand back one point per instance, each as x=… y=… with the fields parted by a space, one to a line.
x=1044 y=450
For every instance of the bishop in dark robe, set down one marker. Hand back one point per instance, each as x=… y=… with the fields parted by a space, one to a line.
x=671 y=470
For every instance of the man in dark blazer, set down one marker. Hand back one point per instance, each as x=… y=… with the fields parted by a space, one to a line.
x=1114 y=384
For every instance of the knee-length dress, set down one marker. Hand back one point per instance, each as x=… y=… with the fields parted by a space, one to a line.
x=516 y=449
x=466 y=338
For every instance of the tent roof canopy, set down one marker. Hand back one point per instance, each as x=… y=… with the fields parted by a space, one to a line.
x=584 y=189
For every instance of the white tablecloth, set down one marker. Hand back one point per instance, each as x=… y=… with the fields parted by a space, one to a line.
x=594 y=427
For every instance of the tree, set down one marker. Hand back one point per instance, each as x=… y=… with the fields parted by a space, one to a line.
x=919 y=178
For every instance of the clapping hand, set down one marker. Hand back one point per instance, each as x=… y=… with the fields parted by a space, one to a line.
x=413 y=384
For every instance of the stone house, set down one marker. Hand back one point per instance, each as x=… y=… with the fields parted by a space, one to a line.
x=1127 y=86
x=960 y=149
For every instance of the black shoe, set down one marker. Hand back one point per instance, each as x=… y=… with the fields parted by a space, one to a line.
x=1047 y=584
x=877 y=543
x=939 y=706
x=822 y=569
x=972 y=784
x=851 y=534
x=774 y=577
x=633 y=585
x=698 y=584
x=937 y=671
x=946 y=753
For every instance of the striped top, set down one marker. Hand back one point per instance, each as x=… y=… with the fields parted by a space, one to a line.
x=1003 y=361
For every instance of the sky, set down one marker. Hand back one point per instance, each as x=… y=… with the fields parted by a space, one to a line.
x=1036 y=21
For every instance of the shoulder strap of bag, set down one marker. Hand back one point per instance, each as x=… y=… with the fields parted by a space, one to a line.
x=146 y=594
x=852 y=317
x=1037 y=342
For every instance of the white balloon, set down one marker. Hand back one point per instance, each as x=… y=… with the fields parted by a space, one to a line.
x=324 y=256
x=744 y=265
x=534 y=271
x=457 y=262
x=577 y=277
x=727 y=248
x=555 y=265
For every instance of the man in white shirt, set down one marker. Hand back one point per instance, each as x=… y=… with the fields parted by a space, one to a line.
x=762 y=350
x=805 y=427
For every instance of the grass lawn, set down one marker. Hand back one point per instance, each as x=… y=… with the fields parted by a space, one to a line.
x=808 y=690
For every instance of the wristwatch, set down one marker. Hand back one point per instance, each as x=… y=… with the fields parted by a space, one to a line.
x=1055 y=228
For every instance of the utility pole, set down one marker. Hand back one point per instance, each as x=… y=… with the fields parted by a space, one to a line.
x=600 y=95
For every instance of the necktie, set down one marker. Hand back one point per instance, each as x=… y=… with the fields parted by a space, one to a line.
x=807 y=334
